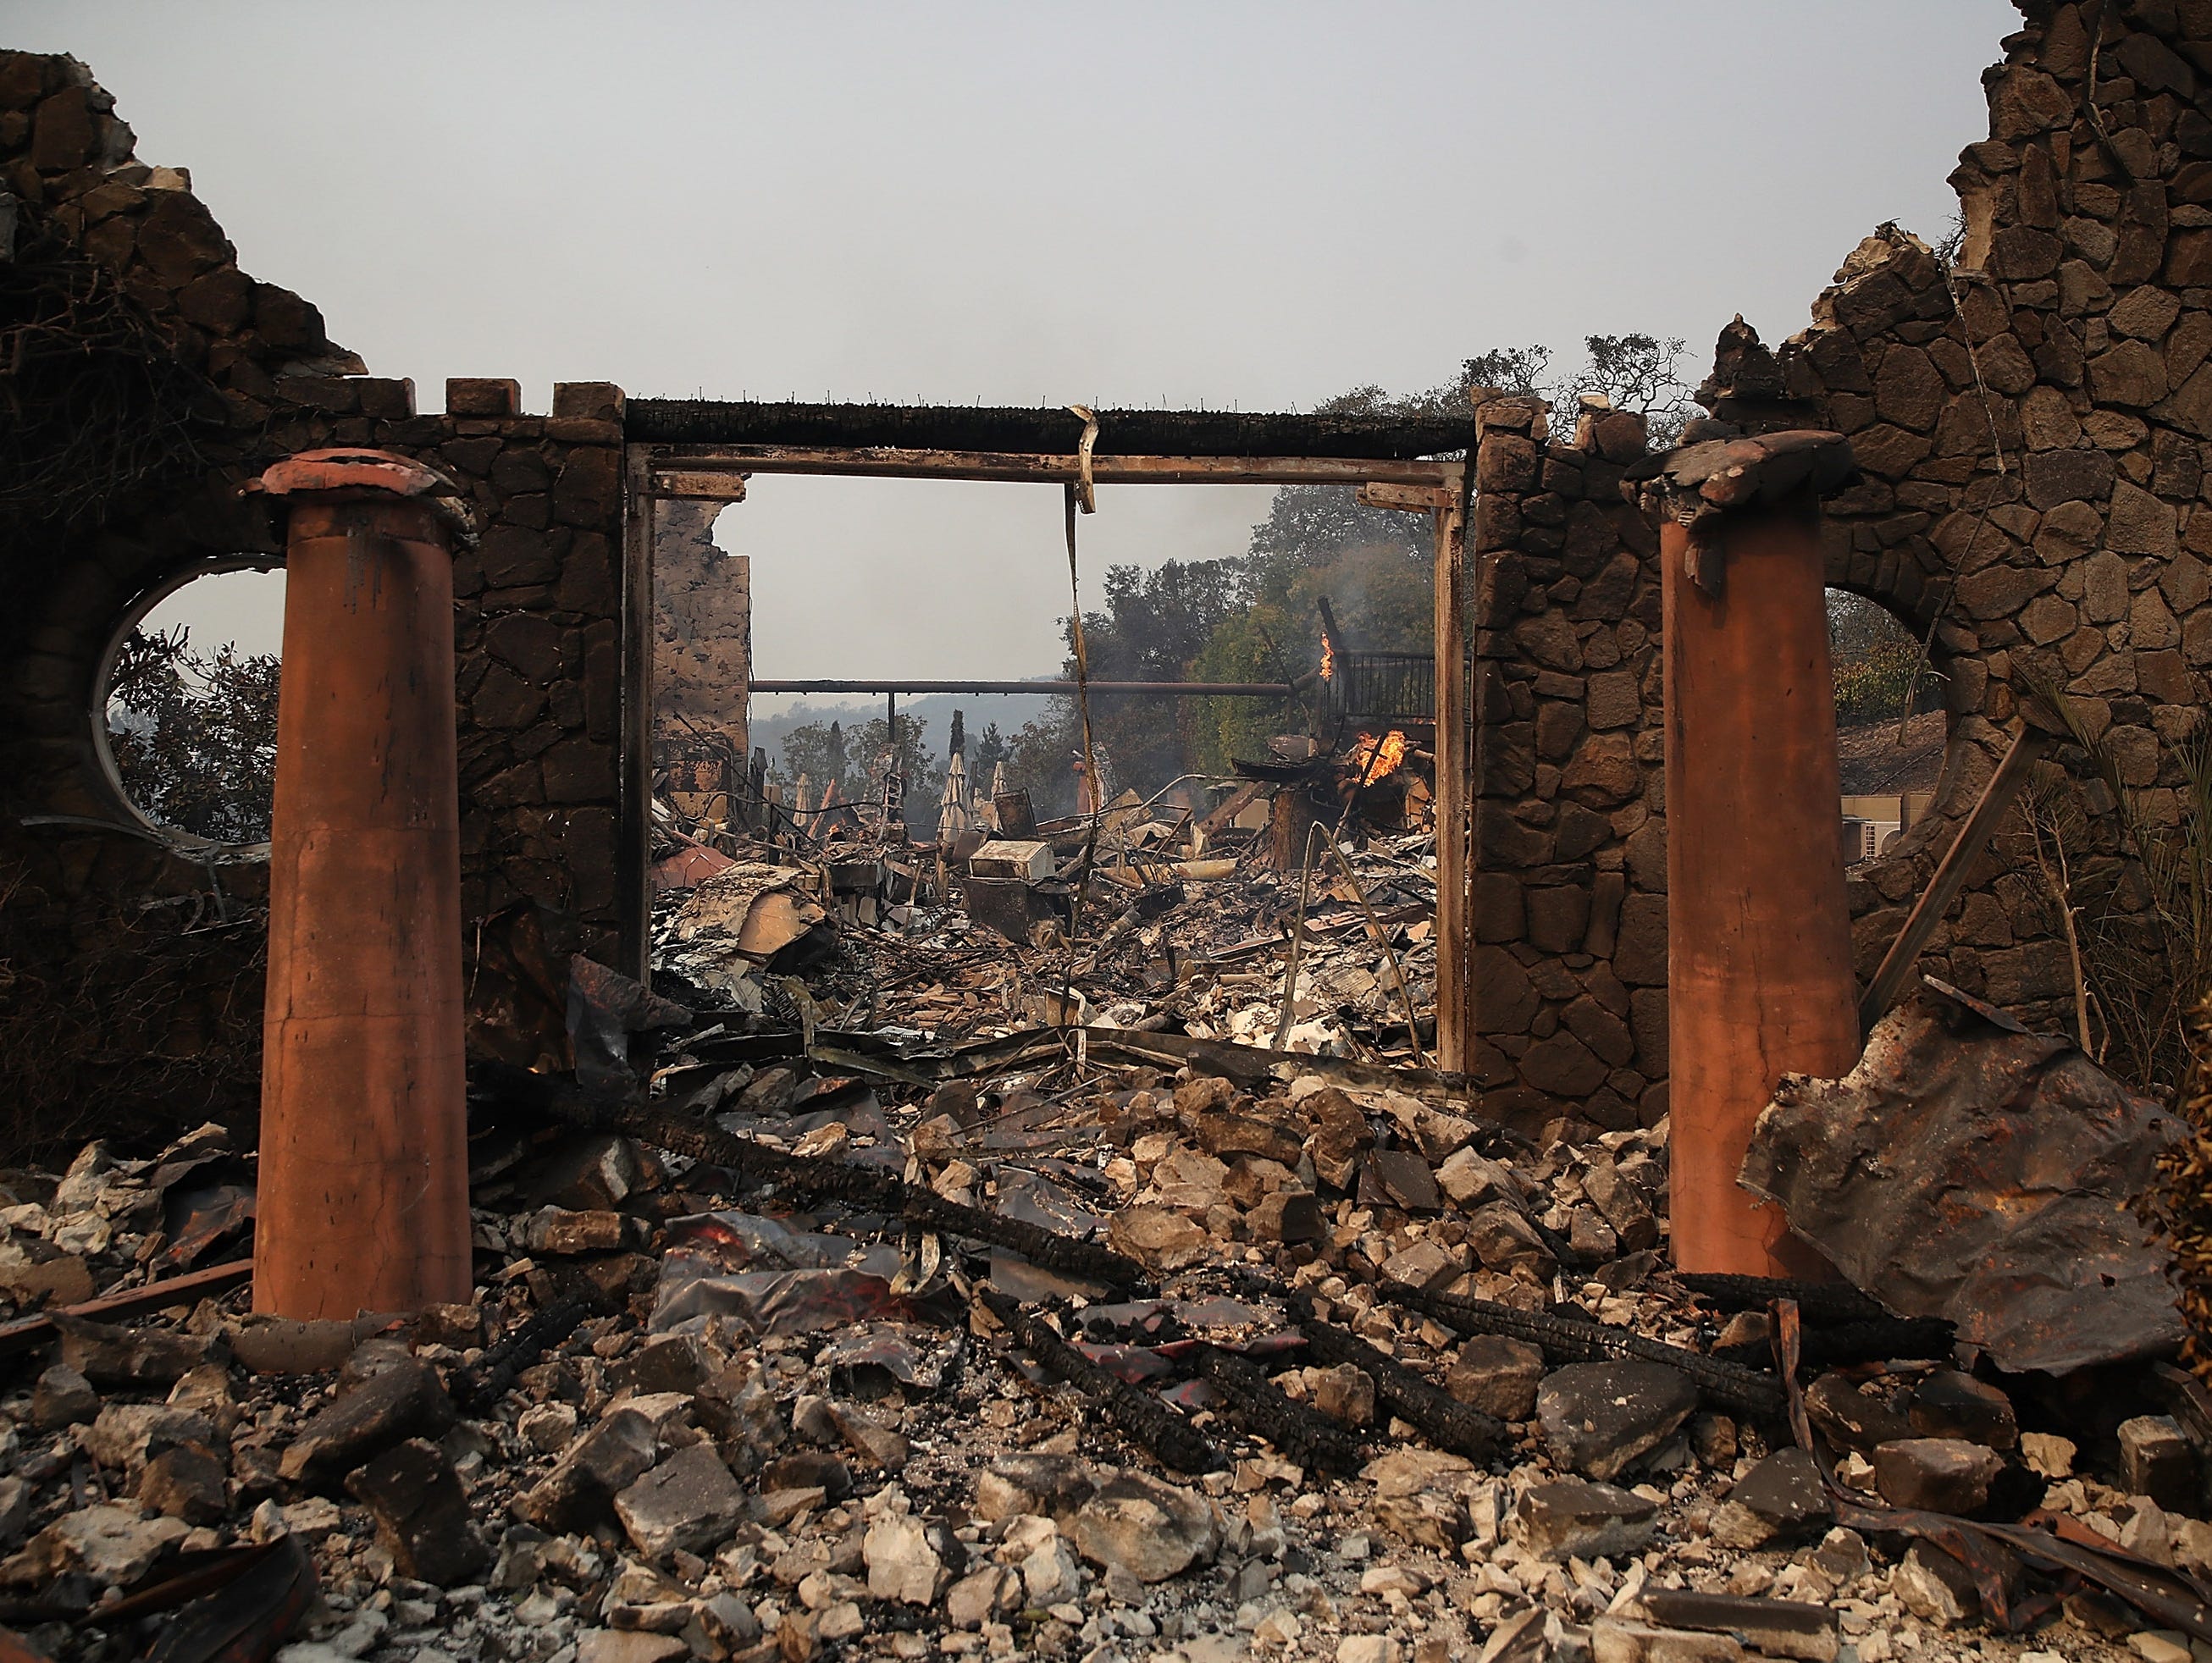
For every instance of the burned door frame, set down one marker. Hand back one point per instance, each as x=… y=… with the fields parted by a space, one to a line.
x=663 y=469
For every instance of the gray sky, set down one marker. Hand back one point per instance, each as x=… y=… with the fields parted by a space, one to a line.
x=1248 y=205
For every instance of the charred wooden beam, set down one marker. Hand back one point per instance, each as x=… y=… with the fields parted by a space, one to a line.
x=1820 y=1302
x=1130 y=1410
x=978 y=427
x=502 y=1364
x=1564 y=1338
x=1444 y=1419
x=1259 y=1406
x=873 y=1191
x=1057 y=689
x=718 y=473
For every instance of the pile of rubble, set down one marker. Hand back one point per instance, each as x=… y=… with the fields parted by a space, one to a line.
x=1148 y=916
x=1088 y=1342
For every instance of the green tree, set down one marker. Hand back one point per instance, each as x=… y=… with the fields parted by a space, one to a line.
x=1873 y=660
x=194 y=736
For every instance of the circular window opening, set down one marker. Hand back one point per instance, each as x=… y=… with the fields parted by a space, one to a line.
x=187 y=707
x=1890 y=728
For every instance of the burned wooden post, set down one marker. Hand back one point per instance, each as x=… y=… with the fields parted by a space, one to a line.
x=1759 y=960
x=363 y=1202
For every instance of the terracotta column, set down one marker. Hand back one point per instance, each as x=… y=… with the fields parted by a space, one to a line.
x=363 y=1202
x=1759 y=961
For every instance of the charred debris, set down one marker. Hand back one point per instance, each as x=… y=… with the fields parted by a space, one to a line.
x=906 y=1277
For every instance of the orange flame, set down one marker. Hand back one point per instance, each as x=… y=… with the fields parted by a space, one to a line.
x=1328 y=660
x=1374 y=759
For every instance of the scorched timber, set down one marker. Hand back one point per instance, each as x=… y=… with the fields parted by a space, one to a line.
x=1048 y=431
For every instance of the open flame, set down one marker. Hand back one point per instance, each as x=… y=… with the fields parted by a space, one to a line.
x=1372 y=759
x=1327 y=658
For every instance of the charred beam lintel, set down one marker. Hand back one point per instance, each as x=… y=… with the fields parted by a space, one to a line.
x=1047 y=431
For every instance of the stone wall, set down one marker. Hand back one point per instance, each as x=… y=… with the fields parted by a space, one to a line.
x=215 y=375
x=2032 y=423
x=1570 y=967
x=702 y=619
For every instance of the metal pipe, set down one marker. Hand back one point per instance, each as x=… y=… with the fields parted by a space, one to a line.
x=1155 y=689
x=1759 y=962
x=363 y=1195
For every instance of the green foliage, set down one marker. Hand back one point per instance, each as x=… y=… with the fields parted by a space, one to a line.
x=1873 y=661
x=1255 y=617
x=194 y=737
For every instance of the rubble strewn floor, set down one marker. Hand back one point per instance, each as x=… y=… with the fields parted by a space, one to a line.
x=754 y=1397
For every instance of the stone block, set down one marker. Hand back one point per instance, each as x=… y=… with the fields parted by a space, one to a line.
x=594 y=401
x=482 y=395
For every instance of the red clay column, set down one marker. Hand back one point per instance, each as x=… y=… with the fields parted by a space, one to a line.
x=363 y=1203
x=1759 y=960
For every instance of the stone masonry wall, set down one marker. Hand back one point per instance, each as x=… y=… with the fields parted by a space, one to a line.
x=2032 y=426
x=703 y=608
x=1570 y=965
x=538 y=674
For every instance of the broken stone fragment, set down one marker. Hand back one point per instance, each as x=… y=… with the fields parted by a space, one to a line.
x=1617 y=1639
x=547 y=1428
x=109 y=1356
x=1497 y=1375
x=1468 y=1178
x=1934 y=1587
x=111 y=1545
x=593 y=1173
x=1150 y=1529
x=561 y=1233
x=285 y=1345
x=1046 y=1486
x=2156 y=1460
x=1401 y=1177
x=808 y=1469
x=1851 y=1419
x=580 y=1488
x=406 y=1400
x=1598 y=1418
x=689 y=1502
x=1939 y=1475
x=975 y=1599
x=1504 y=1240
x=1569 y=1518
x=1431 y=1518
x=1339 y=1136
x=1422 y=1264
x=902 y=1564
x=1287 y=1216
x=1345 y=1394
x=62 y=1398
x=1157 y=1237
x=124 y=1437
x=1229 y=1135
x=1949 y=1404
x=458 y=1326
x=1781 y=1497
x=880 y=1446
x=422 y=1514
x=187 y=1481
x=628 y=1646
x=676 y=1363
x=1772 y=1627
x=60 y=1279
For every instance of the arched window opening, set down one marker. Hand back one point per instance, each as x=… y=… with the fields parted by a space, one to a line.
x=1891 y=728
x=185 y=718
